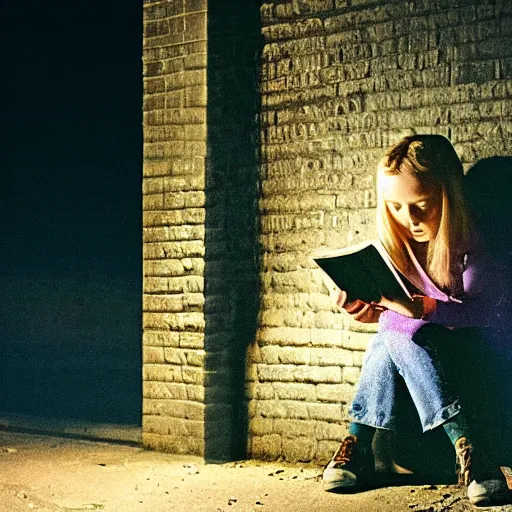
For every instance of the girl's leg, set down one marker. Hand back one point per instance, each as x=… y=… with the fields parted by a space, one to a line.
x=375 y=400
x=484 y=480
x=353 y=463
x=418 y=361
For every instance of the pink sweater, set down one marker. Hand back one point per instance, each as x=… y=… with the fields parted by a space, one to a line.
x=484 y=303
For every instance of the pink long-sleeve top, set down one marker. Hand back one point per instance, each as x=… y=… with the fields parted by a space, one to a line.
x=484 y=302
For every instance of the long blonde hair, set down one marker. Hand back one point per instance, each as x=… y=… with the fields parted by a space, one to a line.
x=430 y=157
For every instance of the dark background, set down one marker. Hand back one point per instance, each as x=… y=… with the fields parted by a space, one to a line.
x=70 y=209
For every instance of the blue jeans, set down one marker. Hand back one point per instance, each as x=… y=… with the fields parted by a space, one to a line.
x=393 y=356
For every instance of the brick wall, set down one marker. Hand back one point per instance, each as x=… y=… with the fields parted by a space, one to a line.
x=341 y=81
x=200 y=221
x=174 y=58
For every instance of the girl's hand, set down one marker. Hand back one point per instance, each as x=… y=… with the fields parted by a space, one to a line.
x=403 y=307
x=360 y=311
x=418 y=307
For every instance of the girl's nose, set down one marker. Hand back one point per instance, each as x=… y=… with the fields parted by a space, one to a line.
x=412 y=217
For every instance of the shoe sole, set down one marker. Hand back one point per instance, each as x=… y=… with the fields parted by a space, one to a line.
x=340 y=485
x=349 y=483
x=345 y=489
x=480 y=502
x=495 y=499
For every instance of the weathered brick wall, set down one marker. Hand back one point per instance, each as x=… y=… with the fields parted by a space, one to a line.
x=341 y=81
x=200 y=221
x=174 y=215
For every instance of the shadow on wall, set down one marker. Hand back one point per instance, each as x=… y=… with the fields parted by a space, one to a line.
x=489 y=190
x=70 y=348
x=231 y=259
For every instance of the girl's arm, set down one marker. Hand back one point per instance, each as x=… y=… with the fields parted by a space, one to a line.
x=485 y=302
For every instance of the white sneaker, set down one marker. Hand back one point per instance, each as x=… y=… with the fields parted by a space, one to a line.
x=335 y=477
x=480 y=491
x=488 y=491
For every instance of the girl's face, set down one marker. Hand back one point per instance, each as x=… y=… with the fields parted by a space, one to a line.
x=414 y=203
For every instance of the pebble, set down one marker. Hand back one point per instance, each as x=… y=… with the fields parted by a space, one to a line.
x=8 y=450
x=192 y=470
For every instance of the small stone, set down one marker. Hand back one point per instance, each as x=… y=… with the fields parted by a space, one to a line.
x=192 y=470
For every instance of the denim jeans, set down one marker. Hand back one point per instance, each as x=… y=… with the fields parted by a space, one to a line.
x=394 y=356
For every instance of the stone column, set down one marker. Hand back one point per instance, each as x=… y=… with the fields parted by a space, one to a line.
x=200 y=257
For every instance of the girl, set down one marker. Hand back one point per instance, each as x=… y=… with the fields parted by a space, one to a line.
x=423 y=222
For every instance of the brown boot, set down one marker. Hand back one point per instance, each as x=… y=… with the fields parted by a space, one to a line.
x=352 y=466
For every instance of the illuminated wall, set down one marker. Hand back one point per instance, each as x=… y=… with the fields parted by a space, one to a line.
x=339 y=81
x=200 y=224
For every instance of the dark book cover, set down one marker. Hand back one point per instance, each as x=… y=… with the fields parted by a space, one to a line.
x=364 y=271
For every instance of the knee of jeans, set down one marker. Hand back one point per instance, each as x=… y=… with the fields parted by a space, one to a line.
x=375 y=348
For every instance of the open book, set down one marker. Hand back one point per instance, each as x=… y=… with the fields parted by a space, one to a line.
x=364 y=271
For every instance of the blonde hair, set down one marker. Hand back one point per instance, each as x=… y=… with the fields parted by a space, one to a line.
x=431 y=158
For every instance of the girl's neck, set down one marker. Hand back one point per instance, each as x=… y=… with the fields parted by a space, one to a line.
x=420 y=250
x=421 y=278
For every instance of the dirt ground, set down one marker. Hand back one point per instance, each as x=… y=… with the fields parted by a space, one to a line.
x=55 y=474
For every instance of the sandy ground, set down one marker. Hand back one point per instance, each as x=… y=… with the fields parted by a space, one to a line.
x=53 y=474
